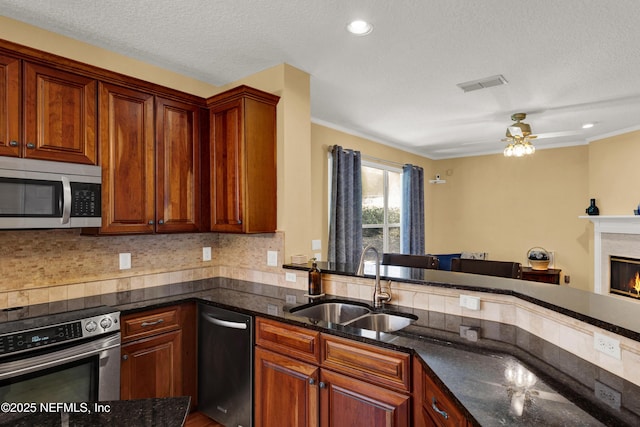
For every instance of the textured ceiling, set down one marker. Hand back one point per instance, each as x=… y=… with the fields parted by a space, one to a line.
x=567 y=62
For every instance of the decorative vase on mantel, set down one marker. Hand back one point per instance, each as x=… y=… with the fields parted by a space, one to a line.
x=592 y=209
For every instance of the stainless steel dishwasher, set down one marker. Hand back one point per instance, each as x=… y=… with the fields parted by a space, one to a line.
x=225 y=366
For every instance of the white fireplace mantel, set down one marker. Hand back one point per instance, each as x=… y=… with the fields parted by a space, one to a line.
x=616 y=224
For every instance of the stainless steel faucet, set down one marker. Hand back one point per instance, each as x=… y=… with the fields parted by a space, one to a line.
x=379 y=297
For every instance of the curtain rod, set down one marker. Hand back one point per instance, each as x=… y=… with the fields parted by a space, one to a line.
x=371 y=158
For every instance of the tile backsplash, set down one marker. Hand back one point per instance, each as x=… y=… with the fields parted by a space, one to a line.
x=38 y=266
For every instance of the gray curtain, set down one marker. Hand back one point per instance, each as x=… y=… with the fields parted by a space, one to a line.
x=345 y=222
x=412 y=220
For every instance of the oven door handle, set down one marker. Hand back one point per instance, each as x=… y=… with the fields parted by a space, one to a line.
x=33 y=364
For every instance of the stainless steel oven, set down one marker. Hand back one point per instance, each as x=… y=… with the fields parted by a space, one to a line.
x=67 y=357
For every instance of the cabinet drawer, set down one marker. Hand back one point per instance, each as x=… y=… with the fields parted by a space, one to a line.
x=439 y=408
x=291 y=340
x=373 y=364
x=140 y=325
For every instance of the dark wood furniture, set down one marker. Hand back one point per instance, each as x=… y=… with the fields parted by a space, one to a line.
x=415 y=261
x=240 y=176
x=488 y=268
x=159 y=353
x=551 y=275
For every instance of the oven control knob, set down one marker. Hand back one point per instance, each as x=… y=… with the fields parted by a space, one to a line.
x=91 y=326
x=106 y=322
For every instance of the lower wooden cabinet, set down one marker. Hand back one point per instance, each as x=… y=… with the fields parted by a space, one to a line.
x=432 y=407
x=152 y=367
x=286 y=391
x=158 y=353
x=296 y=393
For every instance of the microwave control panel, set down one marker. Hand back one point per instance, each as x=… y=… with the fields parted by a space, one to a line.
x=86 y=200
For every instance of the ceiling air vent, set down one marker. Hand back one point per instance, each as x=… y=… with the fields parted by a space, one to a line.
x=483 y=83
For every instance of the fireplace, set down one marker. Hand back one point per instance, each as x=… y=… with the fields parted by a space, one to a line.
x=625 y=276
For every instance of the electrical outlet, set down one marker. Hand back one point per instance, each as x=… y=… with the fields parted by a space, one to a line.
x=272 y=310
x=608 y=395
x=472 y=303
x=206 y=253
x=125 y=261
x=316 y=245
x=272 y=258
x=290 y=277
x=607 y=345
x=290 y=299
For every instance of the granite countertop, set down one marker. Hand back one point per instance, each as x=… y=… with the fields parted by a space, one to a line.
x=560 y=391
x=161 y=412
x=480 y=373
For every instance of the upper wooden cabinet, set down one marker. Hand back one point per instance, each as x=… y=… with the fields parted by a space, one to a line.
x=150 y=168
x=177 y=166
x=241 y=173
x=9 y=106
x=127 y=158
x=58 y=111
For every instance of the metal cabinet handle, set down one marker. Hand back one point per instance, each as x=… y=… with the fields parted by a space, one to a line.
x=160 y=221
x=312 y=381
x=434 y=405
x=322 y=385
x=13 y=143
x=125 y=357
x=150 y=222
x=224 y=323
x=31 y=145
x=157 y=322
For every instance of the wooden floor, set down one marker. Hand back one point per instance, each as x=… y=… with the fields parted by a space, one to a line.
x=198 y=419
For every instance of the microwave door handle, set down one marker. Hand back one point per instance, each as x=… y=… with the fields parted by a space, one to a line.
x=66 y=200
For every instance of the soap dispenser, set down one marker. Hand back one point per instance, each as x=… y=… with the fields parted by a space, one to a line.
x=315 y=279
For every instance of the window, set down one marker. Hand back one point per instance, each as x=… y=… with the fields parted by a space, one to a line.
x=381 y=206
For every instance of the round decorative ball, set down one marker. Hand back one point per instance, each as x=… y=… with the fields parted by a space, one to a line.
x=539 y=258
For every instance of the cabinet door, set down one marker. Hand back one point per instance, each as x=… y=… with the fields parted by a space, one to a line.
x=152 y=367
x=227 y=154
x=59 y=115
x=177 y=166
x=127 y=158
x=9 y=106
x=349 y=402
x=286 y=391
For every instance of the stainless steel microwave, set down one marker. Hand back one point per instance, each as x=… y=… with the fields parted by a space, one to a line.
x=45 y=194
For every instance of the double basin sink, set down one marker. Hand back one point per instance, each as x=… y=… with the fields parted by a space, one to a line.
x=354 y=315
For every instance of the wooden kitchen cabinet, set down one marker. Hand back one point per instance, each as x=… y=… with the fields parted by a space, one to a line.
x=241 y=172
x=177 y=166
x=9 y=106
x=350 y=384
x=150 y=168
x=158 y=354
x=58 y=110
x=432 y=406
x=286 y=391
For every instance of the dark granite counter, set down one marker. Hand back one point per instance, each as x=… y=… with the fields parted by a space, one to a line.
x=503 y=376
x=165 y=412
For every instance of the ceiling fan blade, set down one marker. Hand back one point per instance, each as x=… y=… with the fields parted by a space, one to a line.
x=560 y=134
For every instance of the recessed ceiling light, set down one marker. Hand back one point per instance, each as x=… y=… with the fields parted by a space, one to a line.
x=359 y=27
x=588 y=125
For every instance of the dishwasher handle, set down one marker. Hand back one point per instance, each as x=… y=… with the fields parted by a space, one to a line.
x=224 y=323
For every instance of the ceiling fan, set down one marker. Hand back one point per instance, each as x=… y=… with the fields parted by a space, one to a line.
x=519 y=137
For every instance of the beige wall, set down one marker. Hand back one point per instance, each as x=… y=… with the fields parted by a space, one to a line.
x=505 y=206
x=614 y=173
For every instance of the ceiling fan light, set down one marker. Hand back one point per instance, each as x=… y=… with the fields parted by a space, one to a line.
x=519 y=150
x=508 y=151
x=529 y=149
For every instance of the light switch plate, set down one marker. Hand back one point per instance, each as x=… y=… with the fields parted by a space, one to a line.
x=206 y=253
x=125 y=261
x=316 y=245
x=469 y=302
x=272 y=258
